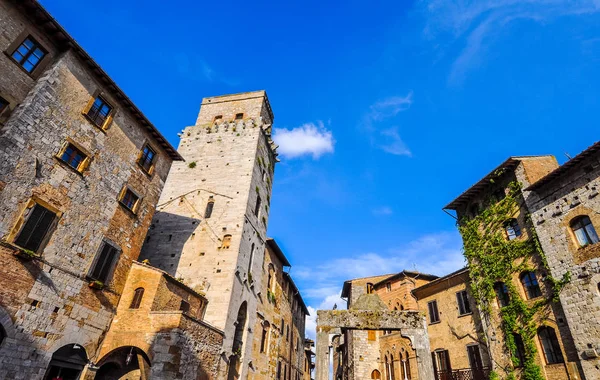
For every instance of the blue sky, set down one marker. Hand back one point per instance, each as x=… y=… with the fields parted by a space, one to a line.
x=385 y=111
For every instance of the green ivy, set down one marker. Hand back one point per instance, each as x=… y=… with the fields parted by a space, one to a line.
x=493 y=258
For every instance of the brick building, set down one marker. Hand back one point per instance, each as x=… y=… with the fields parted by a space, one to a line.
x=81 y=170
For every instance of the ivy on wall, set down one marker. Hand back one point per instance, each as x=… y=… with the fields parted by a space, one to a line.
x=493 y=258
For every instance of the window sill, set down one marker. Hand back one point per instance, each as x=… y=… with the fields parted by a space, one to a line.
x=434 y=323
x=29 y=74
x=102 y=128
x=69 y=167
x=149 y=172
x=20 y=252
x=130 y=211
x=465 y=315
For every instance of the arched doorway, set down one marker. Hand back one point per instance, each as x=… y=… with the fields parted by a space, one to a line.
x=67 y=363
x=126 y=362
x=233 y=372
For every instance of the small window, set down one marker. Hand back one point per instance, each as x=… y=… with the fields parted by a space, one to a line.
x=519 y=349
x=137 y=298
x=129 y=199
x=147 y=157
x=257 y=207
x=270 y=283
x=209 y=207
x=463 y=303
x=369 y=288
x=239 y=116
x=550 y=345
x=2 y=334
x=104 y=263
x=388 y=286
x=512 y=228
x=226 y=242
x=250 y=261
x=184 y=306
x=39 y=223
x=29 y=54
x=73 y=156
x=376 y=375
x=372 y=336
x=3 y=104
x=217 y=119
x=99 y=112
x=584 y=231
x=265 y=336
x=434 y=316
x=531 y=285
x=502 y=294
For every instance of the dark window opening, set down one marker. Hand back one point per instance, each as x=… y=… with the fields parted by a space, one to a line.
x=502 y=294
x=239 y=116
x=463 y=303
x=257 y=207
x=434 y=315
x=129 y=199
x=104 y=263
x=184 y=306
x=519 y=349
x=147 y=158
x=217 y=118
x=73 y=156
x=209 y=208
x=512 y=228
x=531 y=285
x=137 y=298
x=99 y=111
x=369 y=288
x=474 y=357
x=36 y=228
x=584 y=231
x=550 y=345
x=29 y=54
x=3 y=104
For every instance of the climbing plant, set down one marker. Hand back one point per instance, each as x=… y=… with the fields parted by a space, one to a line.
x=493 y=258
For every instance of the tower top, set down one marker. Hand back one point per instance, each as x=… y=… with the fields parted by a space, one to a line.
x=245 y=105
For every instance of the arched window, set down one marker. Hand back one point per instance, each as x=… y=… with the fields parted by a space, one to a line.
x=519 y=349
x=502 y=294
x=137 y=298
x=270 y=277
x=405 y=366
x=209 y=207
x=512 y=228
x=387 y=369
x=392 y=371
x=226 y=242
x=264 y=340
x=550 y=345
x=584 y=231
x=531 y=285
x=250 y=262
x=375 y=374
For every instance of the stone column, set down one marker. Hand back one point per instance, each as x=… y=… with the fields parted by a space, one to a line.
x=420 y=342
x=322 y=355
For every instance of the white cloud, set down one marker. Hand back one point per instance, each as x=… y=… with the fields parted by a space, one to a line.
x=477 y=22
x=308 y=139
x=382 y=135
x=383 y=210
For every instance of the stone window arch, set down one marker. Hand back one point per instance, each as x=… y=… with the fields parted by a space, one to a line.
x=405 y=365
x=392 y=370
x=137 y=298
x=530 y=285
x=375 y=374
x=584 y=231
x=550 y=345
x=512 y=229
x=226 y=242
x=209 y=207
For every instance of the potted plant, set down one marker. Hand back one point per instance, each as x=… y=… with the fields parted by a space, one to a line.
x=95 y=284
x=25 y=254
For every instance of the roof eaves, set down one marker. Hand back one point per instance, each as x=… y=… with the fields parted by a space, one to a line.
x=275 y=247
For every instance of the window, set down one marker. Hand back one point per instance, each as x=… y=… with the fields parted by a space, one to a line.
x=209 y=207
x=217 y=119
x=392 y=370
x=129 y=199
x=376 y=375
x=474 y=356
x=104 y=263
x=502 y=294
x=137 y=298
x=264 y=337
x=226 y=242
x=369 y=288
x=372 y=335
x=250 y=260
x=434 y=316
x=2 y=334
x=184 y=306
x=388 y=286
x=519 y=349
x=512 y=228
x=3 y=104
x=99 y=112
x=550 y=345
x=278 y=370
x=463 y=303
x=441 y=362
x=147 y=157
x=257 y=207
x=584 y=231
x=270 y=284
x=29 y=54
x=73 y=156
x=39 y=222
x=239 y=116
x=531 y=285
x=405 y=366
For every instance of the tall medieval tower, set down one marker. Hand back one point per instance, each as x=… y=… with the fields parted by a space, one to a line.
x=210 y=225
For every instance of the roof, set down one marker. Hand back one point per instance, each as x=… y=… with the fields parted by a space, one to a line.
x=407 y=273
x=62 y=39
x=170 y=279
x=467 y=195
x=566 y=167
x=347 y=284
x=441 y=279
x=275 y=248
x=289 y=277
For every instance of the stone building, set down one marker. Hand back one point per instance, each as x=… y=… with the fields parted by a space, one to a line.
x=309 y=354
x=81 y=170
x=278 y=350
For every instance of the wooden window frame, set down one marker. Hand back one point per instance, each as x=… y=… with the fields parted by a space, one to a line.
x=150 y=170
x=538 y=293
x=138 y=296
x=24 y=216
x=41 y=65
x=137 y=203
x=83 y=165
x=109 y=118
x=556 y=350
x=462 y=298
x=580 y=222
x=430 y=304
x=113 y=265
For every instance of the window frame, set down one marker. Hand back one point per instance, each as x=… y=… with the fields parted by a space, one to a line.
x=462 y=300
x=138 y=296
x=210 y=204
x=141 y=155
x=4 y=104
x=109 y=117
x=505 y=300
x=512 y=225
x=113 y=265
x=555 y=355
x=83 y=164
x=257 y=206
x=20 y=40
x=134 y=209
x=430 y=306
x=24 y=218
x=538 y=290
x=583 y=226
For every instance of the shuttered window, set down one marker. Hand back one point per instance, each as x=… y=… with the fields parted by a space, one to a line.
x=137 y=298
x=36 y=228
x=434 y=315
x=104 y=263
x=463 y=303
x=147 y=158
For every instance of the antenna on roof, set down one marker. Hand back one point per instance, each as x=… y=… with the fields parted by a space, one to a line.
x=567 y=154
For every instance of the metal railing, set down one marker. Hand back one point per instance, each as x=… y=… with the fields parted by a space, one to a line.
x=464 y=374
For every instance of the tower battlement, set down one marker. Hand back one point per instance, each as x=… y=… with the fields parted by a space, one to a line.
x=226 y=108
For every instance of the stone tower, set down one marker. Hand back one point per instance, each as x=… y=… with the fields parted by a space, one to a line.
x=209 y=230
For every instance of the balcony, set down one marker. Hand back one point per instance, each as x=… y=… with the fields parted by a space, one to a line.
x=464 y=374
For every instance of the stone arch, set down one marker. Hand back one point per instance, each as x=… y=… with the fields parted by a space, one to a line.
x=123 y=361
x=239 y=336
x=67 y=362
x=7 y=324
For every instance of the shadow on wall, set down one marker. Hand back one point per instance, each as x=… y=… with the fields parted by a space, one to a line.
x=165 y=241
